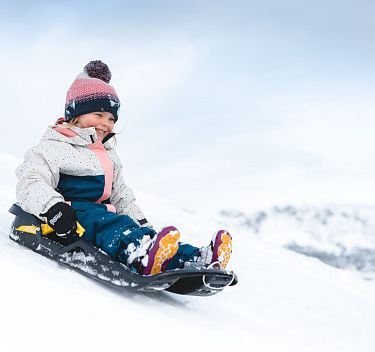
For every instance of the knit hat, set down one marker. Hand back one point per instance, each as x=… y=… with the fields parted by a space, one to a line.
x=90 y=92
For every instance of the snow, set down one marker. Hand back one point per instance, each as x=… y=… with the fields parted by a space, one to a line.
x=284 y=301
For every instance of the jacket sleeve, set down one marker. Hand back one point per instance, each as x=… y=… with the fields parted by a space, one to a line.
x=38 y=177
x=124 y=200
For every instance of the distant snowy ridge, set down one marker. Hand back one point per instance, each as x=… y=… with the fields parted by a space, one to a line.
x=343 y=237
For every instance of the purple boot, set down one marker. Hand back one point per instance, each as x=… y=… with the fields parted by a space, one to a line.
x=164 y=247
x=218 y=251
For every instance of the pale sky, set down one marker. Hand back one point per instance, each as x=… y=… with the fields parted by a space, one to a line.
x=225 y=104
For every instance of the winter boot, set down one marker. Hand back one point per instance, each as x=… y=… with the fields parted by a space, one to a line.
x=153 y=255
x=219 y=250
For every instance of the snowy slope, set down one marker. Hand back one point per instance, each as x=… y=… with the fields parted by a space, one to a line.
x=284 y=301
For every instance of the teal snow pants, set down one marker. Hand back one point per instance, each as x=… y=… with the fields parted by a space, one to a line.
x=113 y=233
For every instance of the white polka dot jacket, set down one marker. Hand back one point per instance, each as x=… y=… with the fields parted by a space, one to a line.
x=70 y=165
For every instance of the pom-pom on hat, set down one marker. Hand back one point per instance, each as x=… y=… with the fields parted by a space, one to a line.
x=91 y=92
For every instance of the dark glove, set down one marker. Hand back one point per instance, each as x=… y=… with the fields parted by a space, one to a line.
x=62 y=218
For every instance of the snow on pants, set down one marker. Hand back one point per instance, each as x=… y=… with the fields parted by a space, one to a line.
x=113 y=233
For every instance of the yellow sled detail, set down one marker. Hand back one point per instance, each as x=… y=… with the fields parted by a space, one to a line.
x=46 y=229
x=27 y=228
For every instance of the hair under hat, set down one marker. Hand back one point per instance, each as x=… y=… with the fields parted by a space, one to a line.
x=91 y=92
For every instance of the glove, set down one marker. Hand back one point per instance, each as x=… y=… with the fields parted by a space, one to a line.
x=62 y=218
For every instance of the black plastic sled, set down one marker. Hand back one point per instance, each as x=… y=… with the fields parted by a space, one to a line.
x=88 y=260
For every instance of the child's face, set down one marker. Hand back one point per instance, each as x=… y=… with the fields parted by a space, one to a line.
x=102 y=121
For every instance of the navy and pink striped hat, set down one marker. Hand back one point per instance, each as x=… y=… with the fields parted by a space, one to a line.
x=91 y=92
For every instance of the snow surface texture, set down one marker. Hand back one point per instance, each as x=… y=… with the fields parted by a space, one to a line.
x=284 y=301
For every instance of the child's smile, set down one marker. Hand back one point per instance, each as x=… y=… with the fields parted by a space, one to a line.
x=101 y=133
x=102 y=121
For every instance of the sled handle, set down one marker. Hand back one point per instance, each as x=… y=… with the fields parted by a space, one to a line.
x=216 y=288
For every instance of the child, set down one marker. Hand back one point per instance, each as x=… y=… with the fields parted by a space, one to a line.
x=74 y=174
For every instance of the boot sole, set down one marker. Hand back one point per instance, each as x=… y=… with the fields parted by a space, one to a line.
x=225 y=249
x=166 y=248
